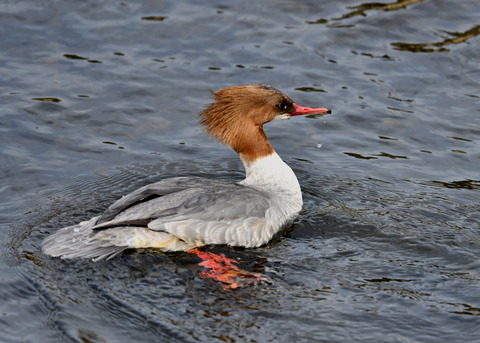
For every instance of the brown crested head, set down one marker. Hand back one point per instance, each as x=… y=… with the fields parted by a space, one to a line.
x=238 y=114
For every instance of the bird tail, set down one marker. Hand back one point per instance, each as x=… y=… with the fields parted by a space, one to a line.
x=79 y=241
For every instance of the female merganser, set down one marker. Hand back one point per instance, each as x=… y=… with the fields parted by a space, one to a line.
x=183 y=213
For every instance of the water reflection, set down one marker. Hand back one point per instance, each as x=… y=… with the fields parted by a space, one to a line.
x=458 y=37
x=76 y=57
x=381 y=154
x=463 y=184
x=154 y=18
x=359 y=156
x=310 y=89
x=47 y=99
x=361 y=9
x=467 y=310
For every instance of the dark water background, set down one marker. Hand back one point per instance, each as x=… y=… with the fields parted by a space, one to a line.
x=98 y=98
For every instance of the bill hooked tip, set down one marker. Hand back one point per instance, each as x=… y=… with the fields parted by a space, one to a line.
x=299 y=110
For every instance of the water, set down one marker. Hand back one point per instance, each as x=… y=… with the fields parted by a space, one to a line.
x=99 y=98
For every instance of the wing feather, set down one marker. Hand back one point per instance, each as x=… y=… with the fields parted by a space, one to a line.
x=192 y=209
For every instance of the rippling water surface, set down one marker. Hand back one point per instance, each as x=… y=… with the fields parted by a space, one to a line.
x=100 y=97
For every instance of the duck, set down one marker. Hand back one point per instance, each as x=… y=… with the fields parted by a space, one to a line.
x=187 y=212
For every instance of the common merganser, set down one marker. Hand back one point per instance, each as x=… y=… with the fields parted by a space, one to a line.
x=183 y=213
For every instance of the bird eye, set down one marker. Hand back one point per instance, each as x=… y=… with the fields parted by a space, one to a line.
x=283 y=106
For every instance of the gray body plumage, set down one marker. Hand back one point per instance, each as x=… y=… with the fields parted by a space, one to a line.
x=180 y=213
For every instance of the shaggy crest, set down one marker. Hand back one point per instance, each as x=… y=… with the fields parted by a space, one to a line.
x=238 y=114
